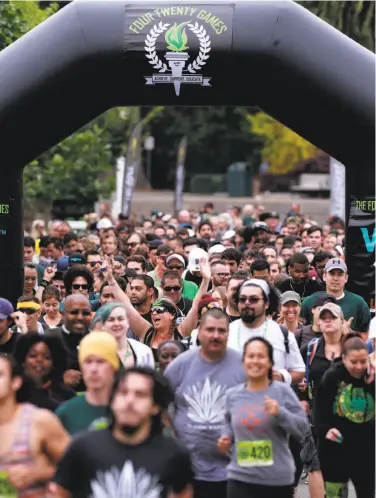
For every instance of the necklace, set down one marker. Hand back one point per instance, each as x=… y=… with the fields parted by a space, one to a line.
x=304 y=288
x=263 y=334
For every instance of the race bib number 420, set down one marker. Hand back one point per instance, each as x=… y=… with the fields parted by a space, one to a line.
x=255 y=453
x=6 y=489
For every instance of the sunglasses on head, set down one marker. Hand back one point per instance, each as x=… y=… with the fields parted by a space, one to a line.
x=170 y=288
x=251 y=299
x=94 y=263
x=28 y=311
x=77 y=312
x=80 y=286
x=175 y=267
x=159 y=310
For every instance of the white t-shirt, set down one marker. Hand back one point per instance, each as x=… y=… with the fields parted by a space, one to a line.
x=271 y=331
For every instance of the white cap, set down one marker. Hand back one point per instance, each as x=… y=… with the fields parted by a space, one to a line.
x=228 y=235
x=194 y=259
x=179 y=257
x=104 y=223
x=372 y=329
x=216 y=249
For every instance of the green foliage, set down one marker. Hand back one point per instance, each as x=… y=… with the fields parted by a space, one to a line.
x=355 y=19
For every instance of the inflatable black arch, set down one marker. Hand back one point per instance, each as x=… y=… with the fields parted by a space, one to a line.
x=92 y=56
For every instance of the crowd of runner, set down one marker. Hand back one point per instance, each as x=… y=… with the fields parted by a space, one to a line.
x=202 y=355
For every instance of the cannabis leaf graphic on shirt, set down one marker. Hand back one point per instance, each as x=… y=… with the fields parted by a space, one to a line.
x=206 y=402
x=125 y=484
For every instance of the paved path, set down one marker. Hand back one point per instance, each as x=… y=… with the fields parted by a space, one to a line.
x=145 y=202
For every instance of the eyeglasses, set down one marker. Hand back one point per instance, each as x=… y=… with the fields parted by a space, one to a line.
x=159 y=310
x=80 y=286
x=251 y=299
x=95 y=263
x=223 y=275
x=77 y=312
x=175 y=267
x=28 y=311
x=170 y=288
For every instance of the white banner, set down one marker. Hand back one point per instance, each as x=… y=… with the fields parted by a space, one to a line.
x=337 y=189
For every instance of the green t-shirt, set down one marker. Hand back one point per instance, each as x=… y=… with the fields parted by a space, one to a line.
x=351 y=304
x=78 y=415
x=190 y=289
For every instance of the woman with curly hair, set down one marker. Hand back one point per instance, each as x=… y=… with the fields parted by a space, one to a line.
x=44 y=361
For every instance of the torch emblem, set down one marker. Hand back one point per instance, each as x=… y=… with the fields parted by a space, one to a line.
x=176 y=71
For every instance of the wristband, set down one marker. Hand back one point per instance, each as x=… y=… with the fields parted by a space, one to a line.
x=45 y=283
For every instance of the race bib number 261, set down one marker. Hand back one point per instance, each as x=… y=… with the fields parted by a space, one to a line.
x=255 y=453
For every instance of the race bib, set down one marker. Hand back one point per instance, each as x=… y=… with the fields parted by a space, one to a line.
x=6 y=489
x=255 y=453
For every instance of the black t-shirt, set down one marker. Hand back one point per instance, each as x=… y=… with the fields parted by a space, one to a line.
x=96 y=464
x=8 y=347
x=184 y=306
x=304 y=290
x=147 y=317
x=232 y=318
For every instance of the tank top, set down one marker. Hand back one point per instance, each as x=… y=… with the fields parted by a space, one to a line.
x=20 y=453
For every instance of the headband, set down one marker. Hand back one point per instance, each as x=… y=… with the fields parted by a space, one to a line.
x=258 y=283
x=28 y=305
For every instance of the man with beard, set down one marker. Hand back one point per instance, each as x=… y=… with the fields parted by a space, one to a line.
x=131 y=457
x=254 y=297
x=201 y=378
x=298 y=268
x=141 y=295
x=76 y=318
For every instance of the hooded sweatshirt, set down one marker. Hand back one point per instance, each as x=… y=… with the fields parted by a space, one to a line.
x=347 y=404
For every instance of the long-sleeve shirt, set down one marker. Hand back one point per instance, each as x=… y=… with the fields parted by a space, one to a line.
x=260 y=451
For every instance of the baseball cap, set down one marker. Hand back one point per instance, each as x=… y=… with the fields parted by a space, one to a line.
x=307 y=250
x=104 y=223
x=62 y=263
x=288 y=296
x=216 y=249
x=334 y=309
x=194 y=259
x=6 y=308
x=154 y=244
x=322 y=299
x=228 y=235
x=335 y=264
x=175 y=256
x=260 y=225
x=270 y=214
x=77 y=259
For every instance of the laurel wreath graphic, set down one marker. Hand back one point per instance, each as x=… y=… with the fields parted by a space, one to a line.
x=150 y=42
x=158 y=29
x=205 y=47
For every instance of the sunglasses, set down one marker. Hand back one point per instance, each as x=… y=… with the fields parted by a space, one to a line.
x=133 y=244
x=175 y=267
x=170 y=288
x=159 y=310
x=28 y=311
x=77 y=312
x=95 y=263
x=80 y=286
x=251 y=300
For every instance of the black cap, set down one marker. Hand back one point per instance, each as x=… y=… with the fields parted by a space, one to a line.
x=154 y=244
x=322 y=299
x=270 y=214
x=77 y=259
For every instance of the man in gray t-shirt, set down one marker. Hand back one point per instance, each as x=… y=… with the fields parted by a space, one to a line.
x=201 y=378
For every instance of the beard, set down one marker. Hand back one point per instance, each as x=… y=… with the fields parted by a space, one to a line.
x=249 y=316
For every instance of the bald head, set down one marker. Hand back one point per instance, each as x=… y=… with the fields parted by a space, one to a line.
x=77 y=314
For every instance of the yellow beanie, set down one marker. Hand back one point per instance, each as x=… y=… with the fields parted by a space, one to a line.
x=100 y=344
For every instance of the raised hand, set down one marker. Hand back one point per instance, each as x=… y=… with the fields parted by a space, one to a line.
x=271 y=406
x=205 y=269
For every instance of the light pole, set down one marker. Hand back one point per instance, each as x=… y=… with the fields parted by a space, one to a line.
x=149 y=145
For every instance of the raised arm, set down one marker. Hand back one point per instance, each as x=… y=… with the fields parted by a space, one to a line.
x=138 y=324
x=190 y=321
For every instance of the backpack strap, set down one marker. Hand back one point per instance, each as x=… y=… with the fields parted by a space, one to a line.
x=311 y=351
x=285 y=332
